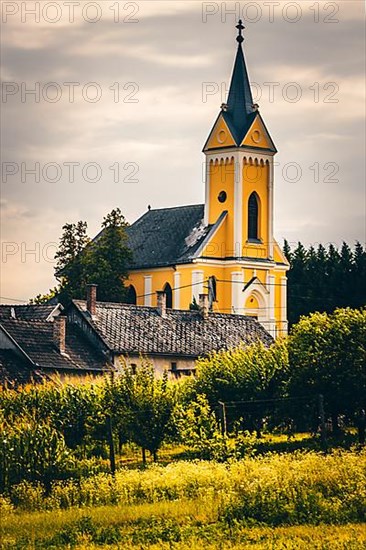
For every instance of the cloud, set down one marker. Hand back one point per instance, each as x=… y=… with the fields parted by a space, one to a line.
x=170 y=55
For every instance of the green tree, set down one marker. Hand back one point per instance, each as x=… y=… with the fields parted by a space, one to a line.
x=70 y=261
x=141 y=406
x=324 y=279
x=327 y=354
x=332 y=269
x=358 y=276
x=298 y=292
x=244 y=374
x=198 y=428
x=287 y=250
x=31 y=450
x=103 y=261
x=107 y=258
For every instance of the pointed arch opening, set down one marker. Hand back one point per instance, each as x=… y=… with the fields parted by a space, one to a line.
x=131 y=296
x=256 y=303
x=253 y=217
x=212 y=291
x=169 y=295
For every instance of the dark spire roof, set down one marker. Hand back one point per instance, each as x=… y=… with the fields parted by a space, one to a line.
x=238 y=112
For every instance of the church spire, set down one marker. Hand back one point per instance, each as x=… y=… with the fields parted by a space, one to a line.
x=239 y=115
x=239 y=105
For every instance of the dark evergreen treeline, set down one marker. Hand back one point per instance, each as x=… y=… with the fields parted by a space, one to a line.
x=321 y=279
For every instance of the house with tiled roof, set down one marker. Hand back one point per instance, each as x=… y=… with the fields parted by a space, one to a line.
x=36 y=342
x=92 y=337
x=170 y=339
x=30 y=312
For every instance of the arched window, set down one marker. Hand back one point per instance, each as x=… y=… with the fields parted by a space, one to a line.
x=212 y=292
x=169 y=296
x=253 y=211
x=131 y=297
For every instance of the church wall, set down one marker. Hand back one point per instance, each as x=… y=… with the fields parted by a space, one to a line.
x=217 y=247
x=137 y=280
x=220 y=136
x=255 y=179
x=199 y=273
x=159 y=277
x=280 y=302
x=221 y=177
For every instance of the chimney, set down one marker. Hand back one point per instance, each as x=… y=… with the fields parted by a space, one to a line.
x=203 y=305
x=91 y=299
x=59 y=333
x=161 y=300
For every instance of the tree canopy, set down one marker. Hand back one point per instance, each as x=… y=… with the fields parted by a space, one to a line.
x=141 y=406
x=103 y=261
x=323 y=279
x=327 y=355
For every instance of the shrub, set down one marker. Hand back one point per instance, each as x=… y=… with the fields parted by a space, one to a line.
x=31 y=451
x=328 y=355
x=246 y=373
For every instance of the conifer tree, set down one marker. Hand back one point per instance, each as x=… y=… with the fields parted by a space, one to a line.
x=324 y=279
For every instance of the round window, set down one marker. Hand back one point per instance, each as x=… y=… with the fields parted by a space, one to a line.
x=256 y=136
x=222 y=196
x=221 y=136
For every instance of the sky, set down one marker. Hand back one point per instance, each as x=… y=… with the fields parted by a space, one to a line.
x=108 y=104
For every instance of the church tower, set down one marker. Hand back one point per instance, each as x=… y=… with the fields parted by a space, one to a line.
x=239 y=178
x=225 y=247
x=239 y=169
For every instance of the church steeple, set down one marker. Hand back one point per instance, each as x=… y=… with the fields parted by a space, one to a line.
x=239 y=105
x=239 y=123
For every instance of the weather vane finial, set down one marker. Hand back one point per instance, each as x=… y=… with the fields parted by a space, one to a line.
x=240 y=28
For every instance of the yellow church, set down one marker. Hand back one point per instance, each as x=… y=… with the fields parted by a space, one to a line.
x=226 y=246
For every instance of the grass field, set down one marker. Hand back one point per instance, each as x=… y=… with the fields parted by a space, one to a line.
x=182 y=525
x=299 y=500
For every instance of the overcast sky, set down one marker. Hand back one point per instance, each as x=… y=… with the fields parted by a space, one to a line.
x=161 y=69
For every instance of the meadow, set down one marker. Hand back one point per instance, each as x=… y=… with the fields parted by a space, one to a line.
x=297 y=500
x=236 y=457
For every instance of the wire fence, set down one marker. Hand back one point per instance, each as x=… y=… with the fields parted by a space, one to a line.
x=287 y=415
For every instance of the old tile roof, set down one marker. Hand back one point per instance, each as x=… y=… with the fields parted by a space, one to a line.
x=133 y=330
x=167 y=236
x=27 y=312
x=35 y=338
x=15 y=369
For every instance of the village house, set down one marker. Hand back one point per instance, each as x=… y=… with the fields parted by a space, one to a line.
x=170 y=339
x=36 y=342
x=93 y=337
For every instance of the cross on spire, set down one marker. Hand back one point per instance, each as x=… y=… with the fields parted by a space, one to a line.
x=240 y=28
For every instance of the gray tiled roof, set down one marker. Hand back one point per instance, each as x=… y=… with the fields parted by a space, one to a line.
x=15 y=369
x=26 y=312
x=35 y=338
x=167 y=236
x=141 y=330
